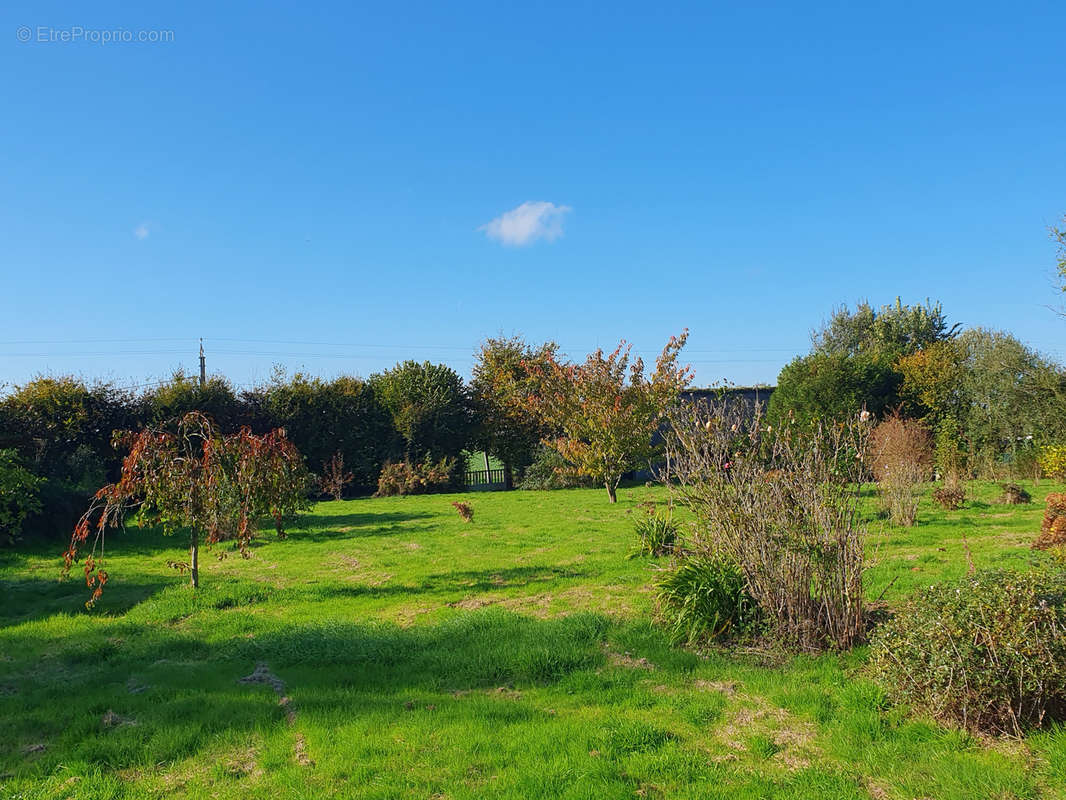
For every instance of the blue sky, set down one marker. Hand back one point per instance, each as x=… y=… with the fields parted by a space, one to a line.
x=326 y=188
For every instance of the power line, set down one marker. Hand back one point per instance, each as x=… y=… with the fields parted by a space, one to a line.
x=93 y=341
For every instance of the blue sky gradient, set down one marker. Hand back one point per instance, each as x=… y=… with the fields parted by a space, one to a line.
x=310 y=187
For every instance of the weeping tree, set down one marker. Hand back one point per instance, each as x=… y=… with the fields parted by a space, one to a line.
x=214 y=487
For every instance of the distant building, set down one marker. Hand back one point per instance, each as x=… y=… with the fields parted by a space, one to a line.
x=750 y=396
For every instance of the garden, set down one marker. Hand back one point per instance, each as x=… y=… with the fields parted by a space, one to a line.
x=856 y=590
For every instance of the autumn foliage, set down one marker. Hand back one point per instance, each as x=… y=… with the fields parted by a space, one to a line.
x=216 y=487
x=606 y=409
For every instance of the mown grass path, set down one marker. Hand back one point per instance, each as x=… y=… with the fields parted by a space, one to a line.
x=419 y=656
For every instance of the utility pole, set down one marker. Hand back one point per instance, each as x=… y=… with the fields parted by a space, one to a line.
x=203 y=364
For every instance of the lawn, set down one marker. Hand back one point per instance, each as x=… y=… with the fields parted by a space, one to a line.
x=393 y=651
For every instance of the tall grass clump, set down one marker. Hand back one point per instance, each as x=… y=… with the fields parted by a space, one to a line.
x=657 y=534
x=783 y=505
x=703 y=597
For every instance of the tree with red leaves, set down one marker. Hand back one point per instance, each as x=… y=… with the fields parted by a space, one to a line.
x=607 y=423
x=215 y=487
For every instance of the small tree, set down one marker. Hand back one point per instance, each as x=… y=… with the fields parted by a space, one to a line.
x=214 y=486
x=607 y=422
x=334 y=477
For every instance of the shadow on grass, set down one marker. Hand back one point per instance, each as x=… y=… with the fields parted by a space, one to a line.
x=458 y=583
x=29 y=599
x=58 y=689
x=324 y=527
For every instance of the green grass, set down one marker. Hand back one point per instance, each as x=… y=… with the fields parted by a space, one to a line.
x=513 y=657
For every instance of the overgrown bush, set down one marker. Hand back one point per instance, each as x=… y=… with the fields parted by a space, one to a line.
x=1013 y=495
x=549 y=470
x=782 y=505
x=987 y=651
x=403 y=477
x=949 y=497
x=900 y=456
x=704 y=597
x=19 y=496
x=657 y=534
x=61 y=428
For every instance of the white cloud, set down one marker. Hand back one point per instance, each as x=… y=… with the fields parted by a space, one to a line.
x=527 y=223
x=144 y=230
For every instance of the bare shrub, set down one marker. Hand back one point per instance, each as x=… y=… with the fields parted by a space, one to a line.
x=782 y=506
x=901 y=454
x=466 y=511
x=334 y=478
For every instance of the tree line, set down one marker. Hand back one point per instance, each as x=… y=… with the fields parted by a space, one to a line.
x=989 y=401
x=400 y=431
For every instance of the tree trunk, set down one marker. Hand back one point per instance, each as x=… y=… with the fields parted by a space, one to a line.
x=279 y=528
x=194 y=561
x=612 y=492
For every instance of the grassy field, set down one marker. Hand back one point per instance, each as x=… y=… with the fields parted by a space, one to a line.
x=394 y=651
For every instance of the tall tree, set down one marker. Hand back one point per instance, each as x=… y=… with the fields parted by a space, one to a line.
x=430 y=409
x=500 y=390
x=932 y=380
x=887 y=333
x=606 y=409
x=1012 y=396
x=853 y=361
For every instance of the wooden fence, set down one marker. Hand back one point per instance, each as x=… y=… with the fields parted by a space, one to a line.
x=477 y=478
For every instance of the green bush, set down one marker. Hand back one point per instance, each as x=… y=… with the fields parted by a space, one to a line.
x=19 y=496
x=430 y=409
x=987 y=651
x=326 y=418
x=703 y=598
x=657 y=535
